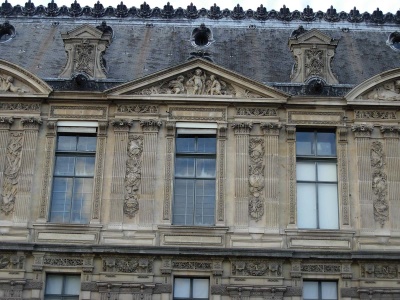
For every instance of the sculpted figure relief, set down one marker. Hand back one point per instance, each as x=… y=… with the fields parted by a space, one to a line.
x=177 y=86
x=198 y=82
x=386 y=91
x=7 y=85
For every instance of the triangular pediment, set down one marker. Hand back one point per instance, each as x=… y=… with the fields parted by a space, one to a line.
x=197 y=78
x=18 y=82
x=83 y=32
x=314 y=37
x=381 y=89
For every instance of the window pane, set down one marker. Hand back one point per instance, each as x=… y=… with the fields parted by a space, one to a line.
x=81 y=200
x=200 y=288
x=328 y=206
x=184 y=167
x=185 y=145
x=61 y=200
x=329 y=290
x=84 y=166
x=305 y=143
x=205 y=199
x=326 y=144
x=182 y=288
x=86 y=143
x=327 y=171
x=64 y=166
x=305 y=171
x=183 y=202
x=205 y=168
x=54 y=284
x=310 y=290
x=206 y=145
x=66 y=143
x=72 y=285
x=306 y=205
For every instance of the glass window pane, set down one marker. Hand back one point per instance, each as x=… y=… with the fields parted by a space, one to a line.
x=200 y=288
x=306 y=205
x=327 y=171
x=329 y=290
x=66 y=143
x=310 y=290
x=86 y=143
x=305 y=171
x=326 y=144
x=184 y=167
x=72 y=285
x=185 y=144
x=183 y=202
x=81 y=200
x=54 y=283
x=205 y=168
x=206 y=145
x=182 y=288
x=305 y=143
x=205 y=202
x=328 y=206
x=84 y=166
x=64 y=166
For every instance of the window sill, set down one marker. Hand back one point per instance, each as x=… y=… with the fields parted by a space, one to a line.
x=320 y=239
x=180 y=235
x=67 y=233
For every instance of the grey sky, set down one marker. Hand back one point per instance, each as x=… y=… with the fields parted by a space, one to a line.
x=340 y=5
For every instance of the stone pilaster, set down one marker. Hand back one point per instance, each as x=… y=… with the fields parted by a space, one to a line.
x=242 y=132
x=169 y=169
x=291 y=175
x=343 y=176
x=362 y=133
x=149 y=159
x=23 y=201
x=271 y=133
x=121 y=130
x=5 y=124
x=221 y=173
x=47 y=170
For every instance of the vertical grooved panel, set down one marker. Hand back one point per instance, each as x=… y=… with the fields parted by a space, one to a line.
x=241 y=179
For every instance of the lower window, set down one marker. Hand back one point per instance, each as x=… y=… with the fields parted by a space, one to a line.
x=61 y=286
x=320 y=290
x=191 y=288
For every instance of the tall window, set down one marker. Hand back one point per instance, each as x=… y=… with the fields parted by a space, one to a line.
x=320 y=290
x=194 y=187
x=191 y=288
x=73 y=178
x=316 y=172
x=62 y=287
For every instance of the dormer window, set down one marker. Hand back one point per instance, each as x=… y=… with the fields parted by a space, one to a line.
x=201 y=36
x=394 y=41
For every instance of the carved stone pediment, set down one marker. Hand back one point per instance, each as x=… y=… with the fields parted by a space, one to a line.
x=197 y=78
x=16 y=81
x=85 y=46
x=313 y=52
x=384 y=87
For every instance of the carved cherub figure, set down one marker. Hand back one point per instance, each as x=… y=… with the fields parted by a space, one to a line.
x=177 y=86
x=198 y=82
x=7 y=85
x=215 y=86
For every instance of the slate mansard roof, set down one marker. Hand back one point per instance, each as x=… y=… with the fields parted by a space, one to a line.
x=253 y=43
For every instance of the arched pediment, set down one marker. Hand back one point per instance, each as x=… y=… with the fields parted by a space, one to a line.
x=197 y=78
x=17 y=81
x=383 y=88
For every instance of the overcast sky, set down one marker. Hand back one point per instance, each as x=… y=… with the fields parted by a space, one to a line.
x=340 y=5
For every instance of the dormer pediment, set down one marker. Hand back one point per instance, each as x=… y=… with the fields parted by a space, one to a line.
x=83 y=32
x=197 y=78
x=315 y=36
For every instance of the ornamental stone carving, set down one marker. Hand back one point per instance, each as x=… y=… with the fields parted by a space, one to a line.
x=242 y=128
x=386 y=91
x=121 y=124
x=191 y=265
x=385 y=270
x=7 y=84
x=196 y=82
x=11 y=172
x=362 y=130
x=31 y=122
x=320 y=268
x=63 y=261
x=313 y=52
x=256 y=268
x=379 y=183
x=85 y=47
x=375 y=114
x=137 y=109
x=128 y=264
x=256 y=178
x=150 y=125
x=133 y=175
x=256 y=111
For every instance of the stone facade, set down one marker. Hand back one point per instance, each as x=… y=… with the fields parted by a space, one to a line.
x=119 y=228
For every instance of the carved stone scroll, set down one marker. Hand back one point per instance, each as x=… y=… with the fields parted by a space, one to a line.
x=11 y=172
x=133 y=175
x=256 y=178
x=379 y=183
